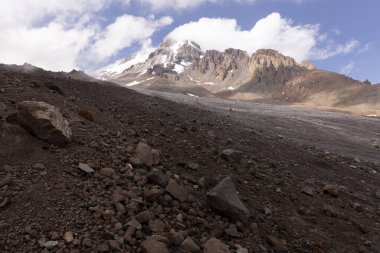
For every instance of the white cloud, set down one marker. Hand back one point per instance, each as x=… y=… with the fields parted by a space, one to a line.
x=62 y=35
x=272 y=32
x=51 y=47
x=348 y=68
x=32 y=12
x=174 y=4
x=331 y=48
x=125 y=31
x=301 y=42
x=159 y=5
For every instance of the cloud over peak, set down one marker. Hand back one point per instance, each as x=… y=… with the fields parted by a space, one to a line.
x=272 y=32
x=302 y=42
x=62 y=35
x=183 y=4
x=125 y=31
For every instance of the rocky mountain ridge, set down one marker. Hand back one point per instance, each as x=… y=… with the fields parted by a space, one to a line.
x=267 y=75
x=185 y=64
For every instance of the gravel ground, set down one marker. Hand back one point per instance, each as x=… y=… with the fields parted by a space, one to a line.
x=297 y=197
x=336 y=132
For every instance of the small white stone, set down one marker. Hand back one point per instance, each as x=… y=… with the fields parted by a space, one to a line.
x=50 y=244
x=85 y=168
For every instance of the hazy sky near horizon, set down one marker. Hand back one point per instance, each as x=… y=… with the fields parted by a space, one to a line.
x=336 y=35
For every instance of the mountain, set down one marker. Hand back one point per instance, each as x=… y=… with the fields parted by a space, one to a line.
x=27 y=68
x=276 y=77
x=184 y=64
x=267 y=75
x=170 y=58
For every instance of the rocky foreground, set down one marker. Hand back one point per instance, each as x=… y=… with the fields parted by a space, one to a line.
x=88 y=167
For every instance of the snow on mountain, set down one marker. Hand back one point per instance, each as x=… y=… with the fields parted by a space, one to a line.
x=170 y=57
x=120 y=66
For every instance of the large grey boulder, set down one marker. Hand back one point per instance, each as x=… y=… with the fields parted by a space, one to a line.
x=43 y=121
x=224 y=199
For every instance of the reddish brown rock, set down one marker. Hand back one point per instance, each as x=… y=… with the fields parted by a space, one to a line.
x=331 y=190
x=144 y=216
x=279 y=245
x=152 y=194
x=154 y=246
x=329 y=210
x=146 y=154
x=86 y=114
x=175 y=237
x=214 y=245
x=157 y=226
x=107 y=172
x=177 y=191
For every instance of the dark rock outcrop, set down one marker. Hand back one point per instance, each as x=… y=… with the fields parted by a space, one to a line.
x=224 y=199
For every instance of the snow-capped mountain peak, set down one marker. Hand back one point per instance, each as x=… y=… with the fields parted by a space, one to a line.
x=176 y=54
x=115 y=69
x=169 y=57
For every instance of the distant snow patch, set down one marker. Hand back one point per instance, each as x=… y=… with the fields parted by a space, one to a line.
x=142 y=73
x=132 y=83
x=192 y=95
x=231 y=88
x=372 y=115
x=137 y=82
x=209 y=83
x=190 y=78
x=179 y=68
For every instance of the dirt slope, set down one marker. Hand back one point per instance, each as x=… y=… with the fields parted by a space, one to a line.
x=48 y=197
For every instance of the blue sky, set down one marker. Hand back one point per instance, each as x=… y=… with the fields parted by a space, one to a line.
x=336 y=35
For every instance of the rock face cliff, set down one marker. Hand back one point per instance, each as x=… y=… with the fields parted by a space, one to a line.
x=268 y=68
x=221 y=64
x=233 y=69
x=218 y=70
